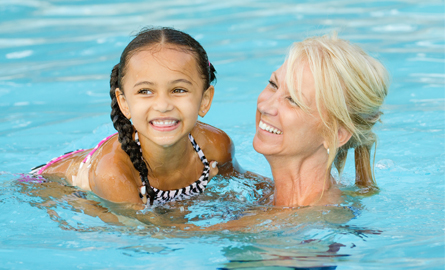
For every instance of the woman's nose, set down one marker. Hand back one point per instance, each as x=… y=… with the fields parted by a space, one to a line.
x=267 y=102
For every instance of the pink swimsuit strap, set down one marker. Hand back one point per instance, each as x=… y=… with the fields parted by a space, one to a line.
x=85 y=160
x=88 y=157
x=57 y=159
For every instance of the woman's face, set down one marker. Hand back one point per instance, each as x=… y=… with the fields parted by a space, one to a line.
x=282 y=127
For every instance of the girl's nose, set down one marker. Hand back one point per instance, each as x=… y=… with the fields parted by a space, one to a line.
x=163 y=103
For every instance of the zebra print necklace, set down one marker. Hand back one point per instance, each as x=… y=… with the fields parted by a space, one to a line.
x=197 y=187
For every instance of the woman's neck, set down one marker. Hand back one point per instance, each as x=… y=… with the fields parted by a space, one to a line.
x=299 y=182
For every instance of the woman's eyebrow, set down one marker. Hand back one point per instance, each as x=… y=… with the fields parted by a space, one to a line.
x=275 y=76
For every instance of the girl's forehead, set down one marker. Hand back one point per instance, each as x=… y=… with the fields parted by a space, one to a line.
x=167 y=59
x=172 y=55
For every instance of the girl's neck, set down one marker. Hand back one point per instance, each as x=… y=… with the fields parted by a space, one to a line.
x=299 y=182
x=171 y=167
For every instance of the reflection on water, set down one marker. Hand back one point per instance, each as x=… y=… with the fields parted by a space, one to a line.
x=231 y=201
x=56 y=58
x=296 y=238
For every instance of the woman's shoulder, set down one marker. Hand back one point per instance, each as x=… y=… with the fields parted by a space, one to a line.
x=214 y=142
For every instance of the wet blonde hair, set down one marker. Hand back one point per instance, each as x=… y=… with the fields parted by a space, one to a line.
x=350 y=87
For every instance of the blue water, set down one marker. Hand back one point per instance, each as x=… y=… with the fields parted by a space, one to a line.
x=55 y=61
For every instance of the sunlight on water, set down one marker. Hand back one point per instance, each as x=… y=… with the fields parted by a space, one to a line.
x=56 y=58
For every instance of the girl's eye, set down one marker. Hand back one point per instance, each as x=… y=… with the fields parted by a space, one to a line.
x=274 y=85
x=179 y=91
x=145 y=91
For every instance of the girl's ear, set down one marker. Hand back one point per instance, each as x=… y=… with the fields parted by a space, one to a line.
x=206 y=101
x=122 y=101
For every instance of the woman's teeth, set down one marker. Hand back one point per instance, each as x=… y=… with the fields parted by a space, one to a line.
x=268 y=128
x=164 y=122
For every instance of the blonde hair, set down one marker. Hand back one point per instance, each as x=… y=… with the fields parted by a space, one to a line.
x=350 y=87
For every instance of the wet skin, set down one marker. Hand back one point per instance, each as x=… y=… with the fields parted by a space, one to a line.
x=163 y=94
x=291 y=140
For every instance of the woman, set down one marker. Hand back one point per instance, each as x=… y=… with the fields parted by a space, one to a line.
x=321 y=102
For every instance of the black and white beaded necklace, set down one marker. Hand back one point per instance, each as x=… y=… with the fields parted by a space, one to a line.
x=197 y=187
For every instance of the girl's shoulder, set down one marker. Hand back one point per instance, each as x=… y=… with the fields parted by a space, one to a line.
x=112 y=175
x=214 y=142
x=110 y=151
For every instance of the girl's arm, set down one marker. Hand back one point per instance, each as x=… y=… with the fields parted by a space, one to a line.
x=217 y=146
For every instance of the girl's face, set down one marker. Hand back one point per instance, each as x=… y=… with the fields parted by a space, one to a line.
x=283 y=128
x=163 y=94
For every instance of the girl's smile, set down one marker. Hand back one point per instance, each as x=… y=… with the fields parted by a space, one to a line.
x=161 y=153
x=163 y=94
x=164 y=124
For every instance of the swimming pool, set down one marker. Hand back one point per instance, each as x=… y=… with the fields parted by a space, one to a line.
x=55 y=62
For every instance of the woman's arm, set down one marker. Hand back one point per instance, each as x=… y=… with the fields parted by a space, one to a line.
x=217 y=146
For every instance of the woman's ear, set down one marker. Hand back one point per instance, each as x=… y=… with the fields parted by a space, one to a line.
x=343 y=136
x=122 y=101
x=206 y=101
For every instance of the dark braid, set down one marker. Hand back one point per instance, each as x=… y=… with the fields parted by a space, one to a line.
x=126 y=130
x=145 y=39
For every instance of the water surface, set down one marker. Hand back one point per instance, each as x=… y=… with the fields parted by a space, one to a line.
x=56 y=57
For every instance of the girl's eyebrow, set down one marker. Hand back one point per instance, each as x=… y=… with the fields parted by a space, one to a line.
x=172 y=82
x=144 y=82
x=182 y=80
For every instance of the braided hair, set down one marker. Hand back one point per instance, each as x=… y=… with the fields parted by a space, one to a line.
x=143 y=40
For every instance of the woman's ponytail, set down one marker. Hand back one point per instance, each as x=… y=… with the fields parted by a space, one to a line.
x=363 y=172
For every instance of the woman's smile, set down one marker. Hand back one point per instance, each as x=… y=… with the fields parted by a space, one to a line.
x=269 y=128
x=283 y=127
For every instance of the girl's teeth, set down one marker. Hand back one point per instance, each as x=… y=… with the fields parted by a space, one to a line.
x=268 y=128
x=164 y=123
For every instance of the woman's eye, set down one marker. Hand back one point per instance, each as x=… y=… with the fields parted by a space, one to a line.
x=292 y=101
x=179 y=90
x=274 y=85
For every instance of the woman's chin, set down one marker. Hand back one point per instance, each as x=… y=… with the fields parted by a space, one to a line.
x=263 y=147
x=256 y=147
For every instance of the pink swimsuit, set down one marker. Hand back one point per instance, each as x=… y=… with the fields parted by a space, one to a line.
x=161 y=196
x=39 y=169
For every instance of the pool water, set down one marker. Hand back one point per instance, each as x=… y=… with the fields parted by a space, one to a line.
x=56 y=58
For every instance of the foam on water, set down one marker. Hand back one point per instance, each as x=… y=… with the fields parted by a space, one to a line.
x=55 y=62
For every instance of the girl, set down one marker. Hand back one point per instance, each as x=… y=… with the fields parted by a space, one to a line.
x=158 y=89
